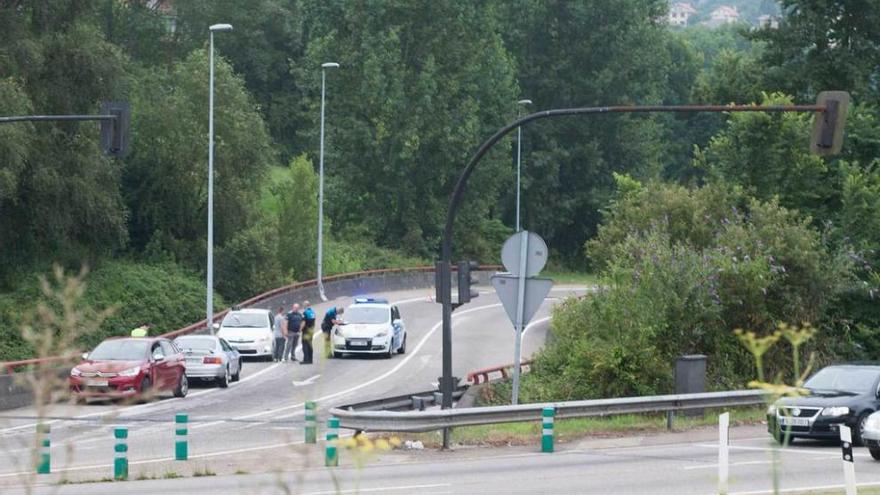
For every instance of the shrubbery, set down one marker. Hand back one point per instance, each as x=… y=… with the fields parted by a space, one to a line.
x=162 y=294
x=681 y=268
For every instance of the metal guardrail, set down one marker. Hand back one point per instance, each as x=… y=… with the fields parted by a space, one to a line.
x=418 y=421
x=402 y=402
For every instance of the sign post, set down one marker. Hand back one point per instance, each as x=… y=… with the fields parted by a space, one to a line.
x=524 y=255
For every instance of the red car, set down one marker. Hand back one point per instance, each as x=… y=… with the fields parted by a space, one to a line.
x=121 y=368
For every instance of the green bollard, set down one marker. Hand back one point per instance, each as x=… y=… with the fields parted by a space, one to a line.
x=181 y=448
x=120 y=461
x=331 y=457
x=44 y=466
x=547 y=429
x=311 y=431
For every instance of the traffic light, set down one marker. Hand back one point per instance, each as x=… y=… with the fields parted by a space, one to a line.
x=466 y=280
x=114 y=132
x=827 y=138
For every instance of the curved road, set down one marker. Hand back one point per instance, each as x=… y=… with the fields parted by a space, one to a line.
x=264 y=411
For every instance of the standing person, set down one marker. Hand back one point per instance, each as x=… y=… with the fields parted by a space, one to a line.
x=331 y=318
x=294 y=327
x=278 y=332
x=308 y=332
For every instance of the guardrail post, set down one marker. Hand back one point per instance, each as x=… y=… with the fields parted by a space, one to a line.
x=44 y=466
x=181 y=448
x=547 y=429
x=723 y=452
x=331 y=458
x=311 y=420
x=849 y=469
x=120 y=460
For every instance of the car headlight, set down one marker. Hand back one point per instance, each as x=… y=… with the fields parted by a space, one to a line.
x=383 y=333
x=835 y=411
x=337 y=332
x=75 y=372
x=131 y=371
x=771 y=410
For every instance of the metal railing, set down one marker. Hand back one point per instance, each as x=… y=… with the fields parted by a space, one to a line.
x=482 y=375
x=417 y=421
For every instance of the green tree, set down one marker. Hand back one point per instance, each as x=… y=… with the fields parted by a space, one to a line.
x=824 y=45
x=166 y=174
x=298 y=220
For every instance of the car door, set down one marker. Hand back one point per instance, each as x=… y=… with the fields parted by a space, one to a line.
x=397 y=325
x=175 y=362
x=231 y=356
x=160 y=365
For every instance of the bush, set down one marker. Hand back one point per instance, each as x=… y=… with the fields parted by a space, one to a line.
x=678 y=283
x=163 y=294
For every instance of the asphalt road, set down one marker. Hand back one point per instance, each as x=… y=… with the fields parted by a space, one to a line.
x=679 y=463
x=264 y=411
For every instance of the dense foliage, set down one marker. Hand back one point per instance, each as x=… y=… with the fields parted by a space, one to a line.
x=420 y=85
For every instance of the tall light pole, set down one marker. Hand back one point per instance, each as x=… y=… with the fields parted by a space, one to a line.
x=521 y=104
x=209 y=305
x=324 y=67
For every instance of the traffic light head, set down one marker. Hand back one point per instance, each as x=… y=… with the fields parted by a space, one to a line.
x=466 y=281
x=114 y=132
x=827 y=138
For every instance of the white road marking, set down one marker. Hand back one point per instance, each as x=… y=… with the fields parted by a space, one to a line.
x=308 y=381
x=788 y=450
x=383 y=489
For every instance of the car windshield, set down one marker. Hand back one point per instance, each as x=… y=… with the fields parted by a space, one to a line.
x=367 y=314
x=196 y=343
x=245 y=320
x=120 y=350
x=844 y=379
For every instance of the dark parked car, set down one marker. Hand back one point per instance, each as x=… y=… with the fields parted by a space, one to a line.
x=130 y=367
x=840 y=394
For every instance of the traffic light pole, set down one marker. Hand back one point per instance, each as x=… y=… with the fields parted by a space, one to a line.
x=445 y=277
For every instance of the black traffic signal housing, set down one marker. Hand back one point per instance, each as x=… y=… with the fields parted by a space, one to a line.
x=115 y=132
x=827 y=138
x=466 y=280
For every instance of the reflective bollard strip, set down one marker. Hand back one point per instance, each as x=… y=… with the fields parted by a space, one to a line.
x=120 y=461
x=331 y=457
x=547 y=415
x=181 y=447
x=44 y=466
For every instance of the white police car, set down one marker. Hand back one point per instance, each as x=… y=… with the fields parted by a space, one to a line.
x=372 y=326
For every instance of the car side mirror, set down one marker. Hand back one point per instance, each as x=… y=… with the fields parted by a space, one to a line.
x=158 y=357
x=398 y=322
x=216 y=326
x=85 y=355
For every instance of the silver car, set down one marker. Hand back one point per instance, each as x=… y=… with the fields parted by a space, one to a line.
x=210 y=358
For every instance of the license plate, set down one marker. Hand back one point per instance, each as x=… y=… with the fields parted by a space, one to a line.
x=193 y=360
x=96 y=383
x=784 y=421
x=357 y=342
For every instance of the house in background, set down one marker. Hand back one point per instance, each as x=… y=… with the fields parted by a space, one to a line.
x=680 y=13
x=768 y=21
x=724 y=14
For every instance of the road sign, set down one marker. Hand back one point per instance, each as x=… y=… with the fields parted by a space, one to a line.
x=536 y=253
x=507 y=288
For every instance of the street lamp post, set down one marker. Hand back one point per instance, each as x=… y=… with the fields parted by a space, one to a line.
x=521 y=104
x=209 y=306
x=324 y=67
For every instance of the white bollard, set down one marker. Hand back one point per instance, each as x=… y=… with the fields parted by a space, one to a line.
x=849 y=469
x=723 y=451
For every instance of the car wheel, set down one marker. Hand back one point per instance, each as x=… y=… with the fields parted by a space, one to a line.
x=182 y=386
x=337 y=355
x=875 y=453
x=402 y=349
x=860 y=428
x=223 y=381
x=237 y=376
